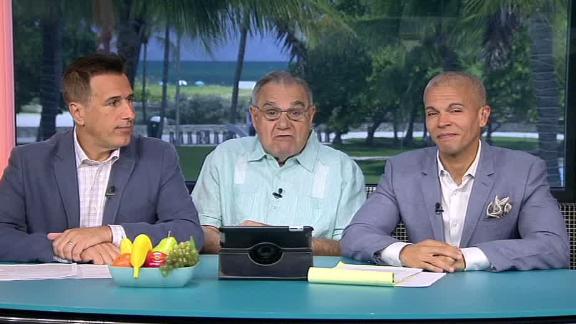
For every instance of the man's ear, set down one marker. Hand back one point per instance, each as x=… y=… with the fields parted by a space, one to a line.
x=252 y=111
x=312 y=112
x=254 y=117
x=77 y=112
x=485 y=115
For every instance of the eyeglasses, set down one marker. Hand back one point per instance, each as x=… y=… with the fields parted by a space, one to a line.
x=274 y=113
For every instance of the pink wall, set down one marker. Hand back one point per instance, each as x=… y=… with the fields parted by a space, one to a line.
x=7 y=119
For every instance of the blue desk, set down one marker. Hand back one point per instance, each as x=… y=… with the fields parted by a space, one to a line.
x=472 y=295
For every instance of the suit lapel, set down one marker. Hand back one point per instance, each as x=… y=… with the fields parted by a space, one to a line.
x=483 y=183
x=431 y=193
x=67 y=178
x=119 y=175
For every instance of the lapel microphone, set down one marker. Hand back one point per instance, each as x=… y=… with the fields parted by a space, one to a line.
x=110 y=192
x=438 y=209
x=278 y=194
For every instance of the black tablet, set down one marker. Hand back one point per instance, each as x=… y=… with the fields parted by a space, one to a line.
x=244 y=237
x=265 y=252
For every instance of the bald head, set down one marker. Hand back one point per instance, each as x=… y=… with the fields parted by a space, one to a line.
x=462 y=80
x=456 y=113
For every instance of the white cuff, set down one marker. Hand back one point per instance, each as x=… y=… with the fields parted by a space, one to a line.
x=118 y=234
x=391 y=254
x=475 y=259
x=59 y=259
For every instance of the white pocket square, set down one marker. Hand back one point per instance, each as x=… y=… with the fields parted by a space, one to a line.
x=499 y=207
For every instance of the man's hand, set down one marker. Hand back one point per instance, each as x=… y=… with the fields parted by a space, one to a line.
x=433 y=256
x=459 y=265
x=71 y=243
x=212 y=236
x=211 y=239
x=103 y=253
x=252 y=223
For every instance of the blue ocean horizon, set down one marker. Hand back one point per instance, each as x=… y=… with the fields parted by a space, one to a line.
x=208 y=72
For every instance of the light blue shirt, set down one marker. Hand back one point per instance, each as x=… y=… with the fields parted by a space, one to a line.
x=320 y=187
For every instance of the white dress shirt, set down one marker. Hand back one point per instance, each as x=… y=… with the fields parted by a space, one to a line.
x=93 y=179
x=455 y=199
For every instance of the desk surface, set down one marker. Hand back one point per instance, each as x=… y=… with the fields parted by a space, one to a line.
x=471 y=295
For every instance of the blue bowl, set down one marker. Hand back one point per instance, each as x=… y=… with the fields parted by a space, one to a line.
x=151 y=277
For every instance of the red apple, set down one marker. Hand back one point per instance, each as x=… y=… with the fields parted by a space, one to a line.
x=155 y=259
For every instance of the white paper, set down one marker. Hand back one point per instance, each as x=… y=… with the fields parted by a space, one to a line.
x=93 y=271
x=11 y=272
x=422 y=279
x=403 y=277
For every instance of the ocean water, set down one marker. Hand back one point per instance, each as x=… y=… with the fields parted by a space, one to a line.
x=219 y=73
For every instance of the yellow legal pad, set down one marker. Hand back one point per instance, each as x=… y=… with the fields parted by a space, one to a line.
x=373 y=275
x=350 y=277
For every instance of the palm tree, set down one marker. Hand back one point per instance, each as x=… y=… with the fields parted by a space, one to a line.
x=546 y=88
x=199 y=19
x=144 y=75
x=51 y=68
x=250 y=18
x=165 y=68
x=238 y=70
x=52 y=25
x=538 y=17
x=423 y=32
x=132 y=26
x=337 y=69
x=177 y=78
x=103 y=16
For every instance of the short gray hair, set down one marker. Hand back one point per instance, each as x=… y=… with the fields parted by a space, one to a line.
x=280 y=77
x=456 y=78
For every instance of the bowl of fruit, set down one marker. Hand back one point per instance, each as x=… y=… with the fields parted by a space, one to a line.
x=168 y=264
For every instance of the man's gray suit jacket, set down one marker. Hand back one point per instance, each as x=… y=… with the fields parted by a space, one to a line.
x=531 y=236
x=39 y=195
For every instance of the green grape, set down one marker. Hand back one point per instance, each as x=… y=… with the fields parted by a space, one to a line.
x=184 y=254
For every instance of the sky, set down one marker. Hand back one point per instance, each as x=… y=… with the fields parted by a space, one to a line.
x=258 y=48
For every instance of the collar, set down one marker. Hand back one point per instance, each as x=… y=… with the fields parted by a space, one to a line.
x=471 y=170
x=81 y=156
x=306 y=158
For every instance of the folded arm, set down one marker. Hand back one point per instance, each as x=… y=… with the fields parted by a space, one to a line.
x=175 y=211
x=15 y=243
x=370 y=230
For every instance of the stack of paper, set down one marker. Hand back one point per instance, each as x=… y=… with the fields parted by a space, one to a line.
x=373 y=275
x=9 y=272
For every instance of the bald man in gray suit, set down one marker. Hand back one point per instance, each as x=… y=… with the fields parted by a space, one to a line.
x=466 y=205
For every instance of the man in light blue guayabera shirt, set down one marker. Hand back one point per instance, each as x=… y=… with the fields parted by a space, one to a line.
x=283 y=176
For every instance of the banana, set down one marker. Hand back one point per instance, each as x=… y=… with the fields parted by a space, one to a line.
x=142 y=244
x=125 y=246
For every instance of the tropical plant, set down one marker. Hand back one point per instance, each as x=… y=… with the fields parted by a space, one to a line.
x=199 y=19
x=538 y=17
x=337 y=69
x=289 y=20
x=386 y=89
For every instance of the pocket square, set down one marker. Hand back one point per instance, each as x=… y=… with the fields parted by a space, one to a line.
x=499 y=207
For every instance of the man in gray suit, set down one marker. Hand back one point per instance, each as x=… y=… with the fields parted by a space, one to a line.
x=466 y=205
x=75 y=196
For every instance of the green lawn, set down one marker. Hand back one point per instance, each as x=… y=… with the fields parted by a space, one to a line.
x=191 y=157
